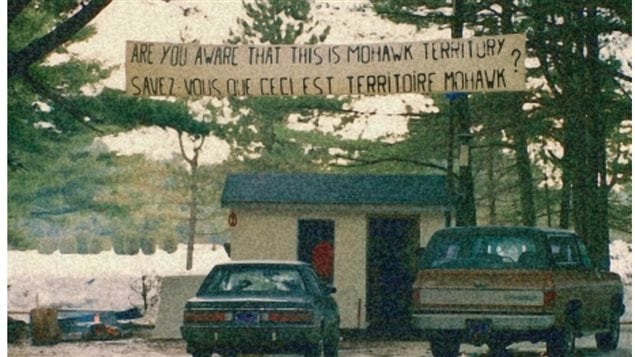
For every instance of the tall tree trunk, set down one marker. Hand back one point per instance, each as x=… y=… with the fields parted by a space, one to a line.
x=525 y=179
x=590 y=191
x=492 y=193
x=193 y=215
x=565 y=194
x=466 y=205
x=450 y=178
x=548 y=201
x=193 y=204
x=519 y=132
x=599 y=228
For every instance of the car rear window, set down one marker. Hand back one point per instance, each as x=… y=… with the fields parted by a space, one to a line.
x=483 y=251
x=252 y=280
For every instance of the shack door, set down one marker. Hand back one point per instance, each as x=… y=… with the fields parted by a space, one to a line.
x=316 y=246
x=391 y=257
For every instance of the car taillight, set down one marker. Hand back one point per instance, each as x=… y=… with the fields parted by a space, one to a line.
x=416 y=297
x=206 y=316
x=549 y=293
x=289 y=316
x=549 y=298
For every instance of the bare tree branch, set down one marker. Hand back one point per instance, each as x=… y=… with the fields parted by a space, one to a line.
x=367 y=162
x=197 y=148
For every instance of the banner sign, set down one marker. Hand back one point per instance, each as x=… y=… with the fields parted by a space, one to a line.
x=479 y=64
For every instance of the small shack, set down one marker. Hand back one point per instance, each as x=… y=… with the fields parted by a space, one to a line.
x=360 y=232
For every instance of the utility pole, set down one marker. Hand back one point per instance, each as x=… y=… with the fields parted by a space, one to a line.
x=459 y=110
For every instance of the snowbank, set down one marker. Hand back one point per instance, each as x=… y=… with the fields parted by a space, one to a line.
x=104 y=281
x=621 y=261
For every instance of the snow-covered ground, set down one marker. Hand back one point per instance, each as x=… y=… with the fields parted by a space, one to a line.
x=104 y=281
x=107 y=281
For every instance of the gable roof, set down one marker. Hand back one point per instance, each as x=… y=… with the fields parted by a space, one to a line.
x=323 y=189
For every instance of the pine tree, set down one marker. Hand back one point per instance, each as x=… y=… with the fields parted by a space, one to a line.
x=586 y=100
x=259 y=133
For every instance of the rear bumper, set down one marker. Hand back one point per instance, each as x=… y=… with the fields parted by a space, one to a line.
x=456 y=321
x=250 y=339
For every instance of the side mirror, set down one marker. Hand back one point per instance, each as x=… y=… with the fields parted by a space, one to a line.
x=329 y=289
x=420 y=252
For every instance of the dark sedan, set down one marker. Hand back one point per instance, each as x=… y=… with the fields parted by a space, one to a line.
x=262 y=307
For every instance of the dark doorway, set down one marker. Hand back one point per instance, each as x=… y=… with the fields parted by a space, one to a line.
x=316 y=239
x=391 y=261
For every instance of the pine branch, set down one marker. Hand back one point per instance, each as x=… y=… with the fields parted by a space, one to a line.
x=14 y=8
x=64 y=103
x=19 y=62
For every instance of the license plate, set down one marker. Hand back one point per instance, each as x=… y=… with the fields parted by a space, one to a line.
x=246 y=317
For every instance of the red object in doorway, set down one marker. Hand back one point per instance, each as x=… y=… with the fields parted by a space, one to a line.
x=322 y=260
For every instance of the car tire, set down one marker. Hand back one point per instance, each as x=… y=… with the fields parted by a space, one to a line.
x=498 y=346
x=498 y=350
x=608 y=341
x=201 y=354
x=444 y=347
x=315 y=350
x=331 y=345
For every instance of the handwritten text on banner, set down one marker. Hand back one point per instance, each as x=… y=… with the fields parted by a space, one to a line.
x=479 y=64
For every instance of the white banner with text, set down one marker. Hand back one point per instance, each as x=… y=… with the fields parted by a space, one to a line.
x=479 y=64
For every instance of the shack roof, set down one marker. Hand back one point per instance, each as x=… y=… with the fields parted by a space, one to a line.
x=334 y=189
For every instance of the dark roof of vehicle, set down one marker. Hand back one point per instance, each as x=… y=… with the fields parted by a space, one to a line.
x=307 y=188
x=501 y=230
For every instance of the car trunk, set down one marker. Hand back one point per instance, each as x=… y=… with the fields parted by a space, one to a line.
x=245 y=301
x=482 y=291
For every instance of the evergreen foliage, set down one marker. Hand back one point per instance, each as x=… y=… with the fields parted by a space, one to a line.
x=584 y=103
x=578 y=123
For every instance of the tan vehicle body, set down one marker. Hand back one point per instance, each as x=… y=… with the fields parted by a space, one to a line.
x=488 y=293
x=508 y=303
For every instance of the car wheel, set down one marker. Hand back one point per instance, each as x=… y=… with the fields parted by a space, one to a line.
x=331 y=345
x=201 y=354
x=315 y=350
x=608 y=341
x=444 y=347
x=498 y=350
x=498 y=346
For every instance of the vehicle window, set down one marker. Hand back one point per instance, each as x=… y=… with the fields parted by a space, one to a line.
x=565 y=252
x=451 y=254
x=252 y=280
x=486 y=252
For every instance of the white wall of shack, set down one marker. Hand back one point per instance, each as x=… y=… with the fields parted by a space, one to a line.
x=273 y=234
